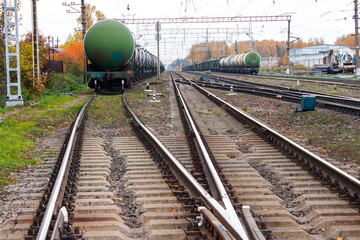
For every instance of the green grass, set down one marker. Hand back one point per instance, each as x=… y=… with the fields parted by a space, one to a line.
x=64 y=83
x=114 y=116
x=8 y=109
x=139 y=101
x=246 y=109
x=330 y=132
x=57 y=83
x=232 y=131
x=19 y=132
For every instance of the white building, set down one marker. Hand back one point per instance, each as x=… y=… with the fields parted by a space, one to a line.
x=313 y=55
x=269 y=61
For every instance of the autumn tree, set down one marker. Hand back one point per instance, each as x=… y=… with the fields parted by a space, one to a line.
x=73 y=54
x=311 y=42
x=73 y=57
x=34 y=85
x=2 y=52
x=91 y=16
x=346 y=40
x=202 y=51
x=268 y=48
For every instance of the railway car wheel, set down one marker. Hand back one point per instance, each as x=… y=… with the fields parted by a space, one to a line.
x=97 y=87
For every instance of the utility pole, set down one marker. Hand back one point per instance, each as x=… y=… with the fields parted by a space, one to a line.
x=49 y=47
x=251 y=44
x=158 y=38
x=83 y=23
x=53 y=46
x=288 y=50
x=223 y=49
x=57 y=42
x=356 y=17
x=35 y=42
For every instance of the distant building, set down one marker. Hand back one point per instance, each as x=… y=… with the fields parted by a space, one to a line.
x=268 y=61
x=313 y=55
x=54 y=65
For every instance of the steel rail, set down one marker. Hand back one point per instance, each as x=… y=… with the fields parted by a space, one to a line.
x=215 y=177
x=346 y=180
x=323 y=96
x=227 y=217
x=60 y=180
x=326 y=81
x=341 y=104
x=323 y=81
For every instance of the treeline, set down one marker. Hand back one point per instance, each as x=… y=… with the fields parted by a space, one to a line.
x=266 y=48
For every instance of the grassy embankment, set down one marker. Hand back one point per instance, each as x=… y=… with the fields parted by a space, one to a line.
x=22 y=127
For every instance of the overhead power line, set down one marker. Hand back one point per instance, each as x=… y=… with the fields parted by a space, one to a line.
x=206 y=19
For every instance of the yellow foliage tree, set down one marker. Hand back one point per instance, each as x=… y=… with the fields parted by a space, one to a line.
x=91 y=15
x=207 y=50
x=34 y=84
x=346 y=40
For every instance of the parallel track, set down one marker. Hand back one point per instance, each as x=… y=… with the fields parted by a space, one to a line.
x=135 y=187
x=304 y=182
x=340 y=104
x=320 y=80
x=162 y=198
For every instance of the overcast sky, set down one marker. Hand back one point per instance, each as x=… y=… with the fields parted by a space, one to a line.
x=325 y=19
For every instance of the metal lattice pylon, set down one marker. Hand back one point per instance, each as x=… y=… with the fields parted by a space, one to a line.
x=13 y=81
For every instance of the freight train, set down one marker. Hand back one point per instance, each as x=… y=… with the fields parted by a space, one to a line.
x=115 y=59
x=248 y=63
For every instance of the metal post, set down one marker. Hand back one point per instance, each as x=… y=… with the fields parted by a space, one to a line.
x=35 y=42
x=12 y=99
x=53 y=46
x=288 y=50
x=147 y=87
x=224 y=49
x=154 y=94
x=251 y=44
x=49 y=48
x=158 y=37
x=356 y=17
x=83 y=22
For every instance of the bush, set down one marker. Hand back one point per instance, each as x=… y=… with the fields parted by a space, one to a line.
x=74 y=69
x=63 y=82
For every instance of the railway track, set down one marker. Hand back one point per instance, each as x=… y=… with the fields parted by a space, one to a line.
x=350 y=106
x=342 y=82
x=142 y=186
x=296 y=194
x=130 y=187
x=317 y=80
